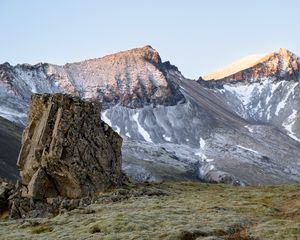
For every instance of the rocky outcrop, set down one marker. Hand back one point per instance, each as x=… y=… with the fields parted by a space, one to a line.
x=67 y=153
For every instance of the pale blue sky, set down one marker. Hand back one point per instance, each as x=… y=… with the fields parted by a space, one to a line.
x=196 y=36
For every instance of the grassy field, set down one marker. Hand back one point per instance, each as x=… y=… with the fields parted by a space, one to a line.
x=174 y=211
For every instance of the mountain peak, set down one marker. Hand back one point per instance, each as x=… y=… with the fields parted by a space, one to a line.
x=281 y=63
x=134 y=78
x=283 y=51
x=146 y=53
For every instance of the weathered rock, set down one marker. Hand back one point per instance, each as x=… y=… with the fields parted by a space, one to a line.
x=216 y=176
x=40 y=186
x=281 y=64
x=66 y=150
x=68 y=155
x=6 y=189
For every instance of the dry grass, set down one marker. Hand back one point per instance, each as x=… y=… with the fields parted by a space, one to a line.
x=174 y=211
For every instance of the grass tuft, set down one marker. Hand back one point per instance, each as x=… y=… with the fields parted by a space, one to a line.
x=95 y=229
x=41 y=229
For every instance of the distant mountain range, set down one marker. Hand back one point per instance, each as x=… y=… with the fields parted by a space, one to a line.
x=238 y=125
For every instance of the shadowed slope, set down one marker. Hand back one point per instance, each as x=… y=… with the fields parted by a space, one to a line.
x=10 y=144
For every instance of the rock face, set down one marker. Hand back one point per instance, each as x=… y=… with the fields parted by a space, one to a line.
x=6 y=189
x=66 y=150
x=281 y=64
x=133 y=78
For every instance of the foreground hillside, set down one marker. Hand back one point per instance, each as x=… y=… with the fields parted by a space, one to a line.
x=174 y=211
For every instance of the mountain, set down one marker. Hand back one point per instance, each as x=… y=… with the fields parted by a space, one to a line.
x=266 y=91
x=238 y=130
x=131 y=78
x=281 y=64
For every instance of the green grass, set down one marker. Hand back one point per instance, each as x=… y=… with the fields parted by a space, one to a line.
x=41 y=229
x=180 y=211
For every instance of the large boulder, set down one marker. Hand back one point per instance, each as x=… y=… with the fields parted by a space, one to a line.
x=67 y=150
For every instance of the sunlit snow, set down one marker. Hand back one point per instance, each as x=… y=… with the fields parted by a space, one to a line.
x=166 y=138
x=105 y=118
x=288 y=124
x=247 y=149
x=141 y=130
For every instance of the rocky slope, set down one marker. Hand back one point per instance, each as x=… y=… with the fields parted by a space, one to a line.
x=133 y=78
x=175 y=128
x=10 y=144
x=281 y=64
x=265 y=92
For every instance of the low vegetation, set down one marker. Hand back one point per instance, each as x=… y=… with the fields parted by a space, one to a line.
x=183 y=211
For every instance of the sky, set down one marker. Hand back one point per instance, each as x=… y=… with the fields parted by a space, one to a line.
x=195 y=35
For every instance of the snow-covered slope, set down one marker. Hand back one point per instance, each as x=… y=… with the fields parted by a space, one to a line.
x=175 y=128
x=133 y=78
x=267 y=92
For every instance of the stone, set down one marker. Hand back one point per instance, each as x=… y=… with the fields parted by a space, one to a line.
x=67 y=150
x=68 y=155
x=216 y=176
x=6 y=189
x=40 y=186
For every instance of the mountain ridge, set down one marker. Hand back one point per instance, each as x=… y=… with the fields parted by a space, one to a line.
x=281 y=61
x=173 y=127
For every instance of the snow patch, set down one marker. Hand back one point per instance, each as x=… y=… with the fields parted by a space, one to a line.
x=12 y=115
x=250 y=129
x=203 y=170
x=201 y=154
x=282 y=103
x=247 y=149
x=202 y=143
x=269 y=112
x=209 y=159
x=118 y=130
x=288 y=125
x=105 y=118
x=273 y=86
x=166 y=138
x=244 y=92
x=33 y=89
x=128 y=134
x=141 y=130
